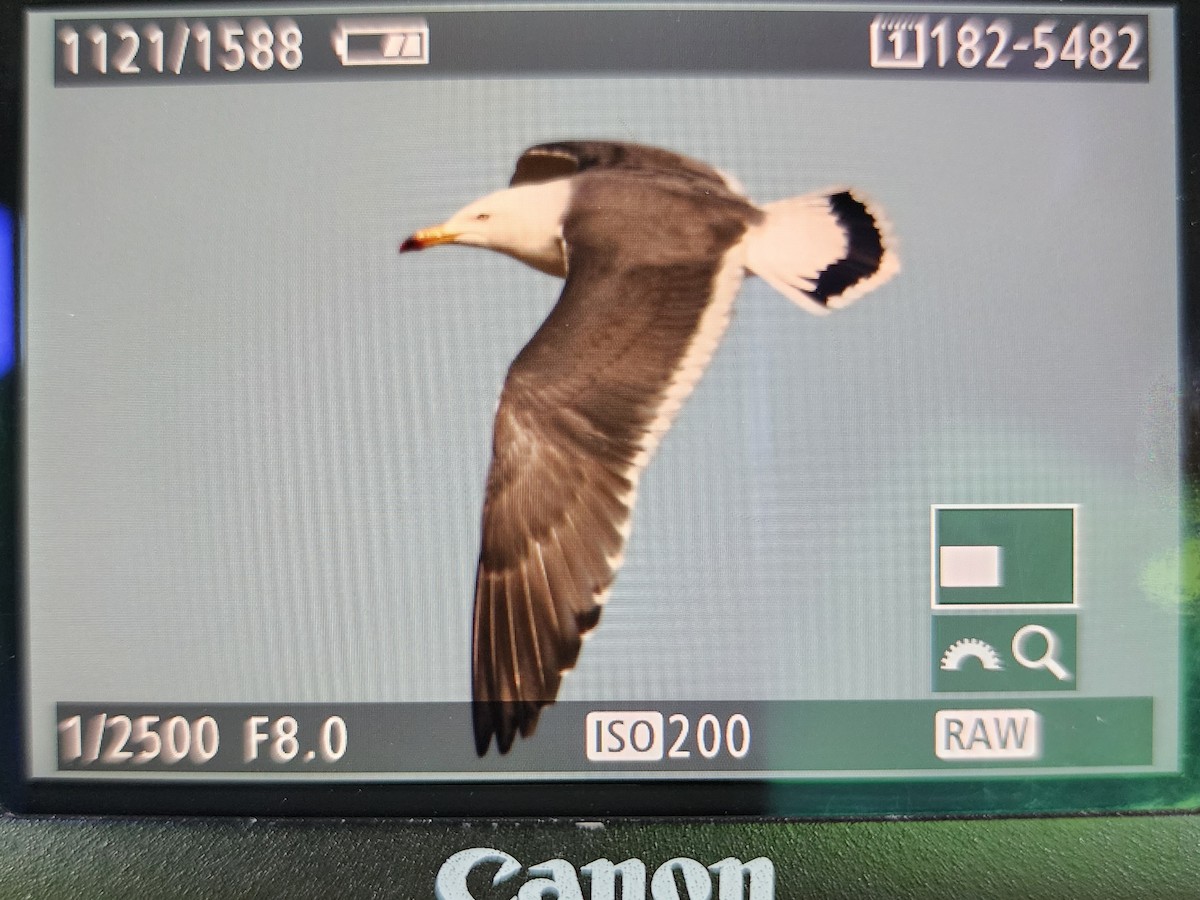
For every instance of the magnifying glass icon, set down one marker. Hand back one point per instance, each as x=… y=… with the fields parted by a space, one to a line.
x=1049 y=658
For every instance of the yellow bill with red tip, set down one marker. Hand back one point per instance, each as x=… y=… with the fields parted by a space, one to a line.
x=428 y=237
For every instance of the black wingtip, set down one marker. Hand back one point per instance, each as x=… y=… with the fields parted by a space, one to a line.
x=492 y=718
x=503 y=721
x=865 y=249
x=481 y=722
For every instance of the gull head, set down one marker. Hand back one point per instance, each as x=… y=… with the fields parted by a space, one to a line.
x=524 y=222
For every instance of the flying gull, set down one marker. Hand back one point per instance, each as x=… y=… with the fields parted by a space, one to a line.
x=653 y=247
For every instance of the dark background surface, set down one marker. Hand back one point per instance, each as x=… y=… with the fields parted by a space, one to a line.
x=1133 y=856
x=1143 y=857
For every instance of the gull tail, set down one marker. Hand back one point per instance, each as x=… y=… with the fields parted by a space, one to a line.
x=822 y=251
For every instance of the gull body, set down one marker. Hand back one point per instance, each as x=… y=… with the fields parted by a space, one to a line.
x=653 y=247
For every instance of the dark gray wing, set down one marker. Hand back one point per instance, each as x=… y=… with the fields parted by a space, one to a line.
x=559 y=159
x=583 y=406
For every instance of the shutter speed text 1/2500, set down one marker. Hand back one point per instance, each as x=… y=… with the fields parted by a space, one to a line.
x=119 y=740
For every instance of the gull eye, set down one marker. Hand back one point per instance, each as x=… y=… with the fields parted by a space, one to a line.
x=483 y=217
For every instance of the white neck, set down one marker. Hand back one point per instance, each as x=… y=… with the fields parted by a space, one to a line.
x=533 y=218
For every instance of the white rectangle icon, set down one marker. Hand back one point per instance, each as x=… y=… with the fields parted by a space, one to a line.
x=970 y=567
x=987 y=734
x=624 y=736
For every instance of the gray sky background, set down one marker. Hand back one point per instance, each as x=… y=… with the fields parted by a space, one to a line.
x=258 y=437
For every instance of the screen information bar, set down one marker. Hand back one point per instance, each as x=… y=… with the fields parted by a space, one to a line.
x=249 y=48
x=696 y=738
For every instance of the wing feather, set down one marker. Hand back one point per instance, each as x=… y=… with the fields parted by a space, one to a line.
x=542 y=610
x=564 y=589
x=582 y=408
x=545 y=162
x=530 y=664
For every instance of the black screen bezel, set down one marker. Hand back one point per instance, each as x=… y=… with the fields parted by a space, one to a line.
x=677 y=798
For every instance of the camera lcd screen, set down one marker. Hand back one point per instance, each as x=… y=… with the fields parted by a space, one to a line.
x=781 y=397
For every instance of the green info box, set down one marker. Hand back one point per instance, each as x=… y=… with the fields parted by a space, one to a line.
x=1004 y=653
x=1003 y=555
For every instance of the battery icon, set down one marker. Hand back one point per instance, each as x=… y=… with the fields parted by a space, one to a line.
x=381 y=42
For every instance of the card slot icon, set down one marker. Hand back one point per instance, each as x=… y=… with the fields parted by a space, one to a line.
x=899 y=42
